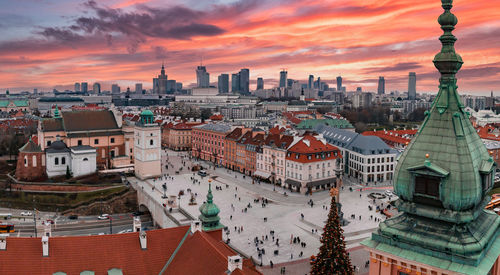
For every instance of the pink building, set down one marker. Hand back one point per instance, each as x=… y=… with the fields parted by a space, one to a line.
x=271 y=159
x=208 y=142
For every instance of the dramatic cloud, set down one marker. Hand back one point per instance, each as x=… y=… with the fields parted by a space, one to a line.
x=125 y=42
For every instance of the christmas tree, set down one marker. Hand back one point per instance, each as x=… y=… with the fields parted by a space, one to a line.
x=332 y=257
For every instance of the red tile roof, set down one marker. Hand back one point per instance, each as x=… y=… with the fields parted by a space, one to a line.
x=277 y=130
x=217 y=117
x=393 y=137
x=200 y=253
x=310 y=145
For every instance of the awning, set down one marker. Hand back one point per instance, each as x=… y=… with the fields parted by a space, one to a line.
x=321 y=182
x=262 y=174
x=293 y=182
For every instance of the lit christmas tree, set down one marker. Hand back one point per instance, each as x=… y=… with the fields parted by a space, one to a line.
x=332 y=257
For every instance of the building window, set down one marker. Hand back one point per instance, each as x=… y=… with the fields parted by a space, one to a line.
x=80 y=142
x=34 y=161
x=427 y=190
x=112 y=140
x=85 y=159
x=56 y=161
x=63 y=160
x=486 y=181
x=25 y=161
x=96 y=141
x=151 y=142
x=49 y=142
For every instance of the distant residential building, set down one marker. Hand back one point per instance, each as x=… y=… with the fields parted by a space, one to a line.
x=381 y=86
x=362 y=100
x=84 y=86
x=310 y=124
x=160 y=82
x=240 y=112
x=138 y=88
x=96 y=88
x=245 y=81
x=260 y=83
x=235 y=83
x=202 y=77
x=283 y=79
x=14 y=105
x=339 y=83
x=115 y=89
x=223 y=83
x=77 y=87
x=412 y=86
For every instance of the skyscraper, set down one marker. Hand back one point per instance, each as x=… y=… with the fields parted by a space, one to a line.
x=283 y=77
x=115 y=89
x=138 y=88
x=223 y=83
x=260 y=83
x=339 y=83
x=381 y=86
x=235 y=83
x=289 y=82
x=245 y=81
x=85 y=87
x=77 y=87
x=160 y=82
x=96 y=88
x=412 y=86
x=202 y=77
x=310 y=84
x=171 y=86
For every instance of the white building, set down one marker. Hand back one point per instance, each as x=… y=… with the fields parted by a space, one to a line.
x=271 y=158
x=366 y=158
x=83 y=160
x=80 y=160
x=147 y=147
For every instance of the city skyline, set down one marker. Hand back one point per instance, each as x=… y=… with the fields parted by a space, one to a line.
x=85 y=41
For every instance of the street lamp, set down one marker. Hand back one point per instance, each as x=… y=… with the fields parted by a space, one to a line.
x=164 y=185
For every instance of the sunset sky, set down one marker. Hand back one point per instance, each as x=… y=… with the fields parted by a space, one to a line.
x=48 y=43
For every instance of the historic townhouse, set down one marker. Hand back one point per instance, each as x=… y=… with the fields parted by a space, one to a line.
x=271 y=158
x=177 y=136
x=208 y=142
x=312 y=164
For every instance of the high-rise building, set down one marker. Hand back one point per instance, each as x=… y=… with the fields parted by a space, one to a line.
x=289 y=83
x=245 y=81
x=138 y=88
x=283 y=77
x=160 y=82
x=235 y=83
x=339 y=83
x=412 y=86
x=260 y=83
x=96 y=88
x=171 y=85
x=381 y=86
x=115 y=89
x=202 y=77
x=223 y=83
x=85 y=87
x=310 y=83
x=77 y=87
x=178 y=86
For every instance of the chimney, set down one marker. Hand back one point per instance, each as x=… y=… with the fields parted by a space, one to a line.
x=45 y=246
x=47 y=229
x=137 y=224
x=234 y=262
x=143 y=240
x=3 y=241
x=195 y=226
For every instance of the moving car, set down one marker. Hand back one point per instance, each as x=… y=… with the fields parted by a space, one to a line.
x=202 y=173
x=103 y=217
x=26 y=213
x=73 y=217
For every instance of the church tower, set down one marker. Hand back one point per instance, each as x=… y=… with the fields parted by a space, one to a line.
x=209 y=217
x=442 y=180
x=147 y=147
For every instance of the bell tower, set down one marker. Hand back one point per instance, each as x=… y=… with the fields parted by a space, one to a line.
x=147 y=147
x=442 y=180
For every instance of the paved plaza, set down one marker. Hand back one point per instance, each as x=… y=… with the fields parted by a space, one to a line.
x=250 y=223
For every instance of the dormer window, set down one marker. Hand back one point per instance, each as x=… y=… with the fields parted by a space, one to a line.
x=487 y=182
x=427 y=190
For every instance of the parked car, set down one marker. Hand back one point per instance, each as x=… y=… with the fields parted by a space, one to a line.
x=103 y=217
x=26 y=213
x=73 y=217
x=202 y=173
x=389 y=193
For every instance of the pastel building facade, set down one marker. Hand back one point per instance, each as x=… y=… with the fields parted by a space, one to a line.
x=208 y=142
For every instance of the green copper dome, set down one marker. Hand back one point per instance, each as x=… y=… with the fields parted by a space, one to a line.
x=147 y=117
x=210 y=213
x=442 y=180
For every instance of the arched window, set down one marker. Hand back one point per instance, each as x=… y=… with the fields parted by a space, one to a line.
x=151 y=142
x=85 y=159
x=34 y=161
x=56 y=161
x=25 y=161
x=63 y=160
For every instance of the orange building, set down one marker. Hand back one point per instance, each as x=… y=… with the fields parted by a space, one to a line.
x=177 y=136
x=208 y=142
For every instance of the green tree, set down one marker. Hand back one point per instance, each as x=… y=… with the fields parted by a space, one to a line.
x=68 y=172
x=332 y=257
